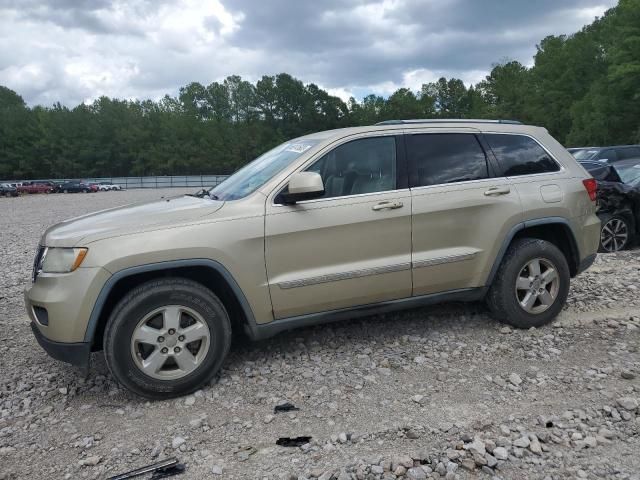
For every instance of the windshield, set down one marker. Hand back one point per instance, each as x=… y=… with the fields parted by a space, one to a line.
x=252 y=176
x=584 y=154
x=630 y=174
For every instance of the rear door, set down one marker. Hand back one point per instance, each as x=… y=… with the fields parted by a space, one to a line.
x=544 y=186
x=461 y=211
x=350 y=248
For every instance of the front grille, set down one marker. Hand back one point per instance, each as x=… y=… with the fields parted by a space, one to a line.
x=36 y=263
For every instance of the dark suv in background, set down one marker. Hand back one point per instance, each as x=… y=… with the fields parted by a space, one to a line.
x=606 y=154
x=618 y=201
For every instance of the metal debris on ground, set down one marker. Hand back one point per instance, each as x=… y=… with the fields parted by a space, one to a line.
x=163 y=469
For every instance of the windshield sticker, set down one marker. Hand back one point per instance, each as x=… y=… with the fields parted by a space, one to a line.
x=298 y=147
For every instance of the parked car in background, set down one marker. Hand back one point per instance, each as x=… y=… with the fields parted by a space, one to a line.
x=93 y=186
x=618 y=202
x=7 y=190
x=73 y=186
x=35 y=187
x=606 y=154
x=108 y=186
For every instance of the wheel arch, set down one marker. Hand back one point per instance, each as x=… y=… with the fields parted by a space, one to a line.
x=556 y=230
x=211 y=274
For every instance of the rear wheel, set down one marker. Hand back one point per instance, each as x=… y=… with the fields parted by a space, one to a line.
x=531 y=285
x=167 y=338
x=615 y=233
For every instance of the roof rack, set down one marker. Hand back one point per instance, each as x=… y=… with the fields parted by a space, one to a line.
x=444 y=120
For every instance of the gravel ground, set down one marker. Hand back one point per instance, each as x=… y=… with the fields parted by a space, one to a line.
x=440 y=392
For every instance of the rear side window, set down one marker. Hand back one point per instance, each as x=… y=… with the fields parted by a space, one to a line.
x=609 y=155
x=630 y=152
x=520 y=155
x=439 y=158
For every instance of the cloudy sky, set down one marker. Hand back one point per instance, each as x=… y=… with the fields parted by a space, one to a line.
x=76 y=50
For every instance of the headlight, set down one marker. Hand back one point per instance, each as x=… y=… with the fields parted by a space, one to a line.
x=61 y=260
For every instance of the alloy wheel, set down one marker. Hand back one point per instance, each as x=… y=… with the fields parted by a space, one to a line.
x=614 y=235
x=537 y=285
x=170 y=342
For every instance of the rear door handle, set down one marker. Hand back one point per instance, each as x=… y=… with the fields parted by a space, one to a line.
x=387 y=206
x=495 y=191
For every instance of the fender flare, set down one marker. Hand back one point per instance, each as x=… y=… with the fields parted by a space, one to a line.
x=532 y=223
x=99 y=304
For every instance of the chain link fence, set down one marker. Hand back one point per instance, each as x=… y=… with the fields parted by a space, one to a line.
x=167 y=181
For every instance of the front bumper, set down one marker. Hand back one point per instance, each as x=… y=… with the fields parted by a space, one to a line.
x=68 y=300
x=73 y=353
x=586 y=263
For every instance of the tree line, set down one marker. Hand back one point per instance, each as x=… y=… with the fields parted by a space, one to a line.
x=584 y=88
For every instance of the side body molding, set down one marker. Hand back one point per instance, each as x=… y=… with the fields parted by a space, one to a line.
x=151 y=267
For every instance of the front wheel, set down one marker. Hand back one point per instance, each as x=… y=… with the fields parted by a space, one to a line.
x=531 y=285
x=167 y=338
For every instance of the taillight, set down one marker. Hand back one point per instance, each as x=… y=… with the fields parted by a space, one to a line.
x=592 y=187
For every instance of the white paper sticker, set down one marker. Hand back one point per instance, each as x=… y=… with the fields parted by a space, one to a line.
x=298 y=147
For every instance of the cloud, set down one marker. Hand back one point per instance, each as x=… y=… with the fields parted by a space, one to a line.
x=76 y=50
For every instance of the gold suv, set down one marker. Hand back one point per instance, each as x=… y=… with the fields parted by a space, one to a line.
x=321 y=228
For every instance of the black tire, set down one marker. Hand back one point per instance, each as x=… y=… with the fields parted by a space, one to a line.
x=615 y=244
x=501 y=297
x=144 y=299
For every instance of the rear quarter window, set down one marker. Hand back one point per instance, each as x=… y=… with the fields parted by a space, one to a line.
x=520 y=155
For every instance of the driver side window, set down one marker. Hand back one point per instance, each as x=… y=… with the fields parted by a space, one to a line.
x=366 y=165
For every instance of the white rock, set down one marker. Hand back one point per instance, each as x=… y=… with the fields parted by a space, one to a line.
x=522 y=442
x=91 y=461
x=216 y=470
x=177 y=442
x=515 y=379
x=501 y=453
x=628 y=403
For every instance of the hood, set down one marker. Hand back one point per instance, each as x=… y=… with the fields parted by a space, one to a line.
x=139 y=217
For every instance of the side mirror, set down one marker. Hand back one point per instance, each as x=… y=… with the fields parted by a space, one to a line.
x=302 y=186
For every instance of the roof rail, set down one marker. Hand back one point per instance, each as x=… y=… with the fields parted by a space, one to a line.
x=445 y=120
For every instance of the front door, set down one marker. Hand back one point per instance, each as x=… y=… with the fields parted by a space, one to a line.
x=353 y=246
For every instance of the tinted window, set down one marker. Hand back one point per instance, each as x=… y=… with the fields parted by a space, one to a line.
x=520 y=155
x=362 y=166
x=585 y=154
x=630 y=152
x=439 y=158
x=609 y=154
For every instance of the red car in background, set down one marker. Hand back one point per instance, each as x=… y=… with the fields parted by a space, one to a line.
x=35 y=187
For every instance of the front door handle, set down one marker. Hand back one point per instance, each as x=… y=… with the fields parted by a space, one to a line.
x=495 y=191
x=387 y=206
